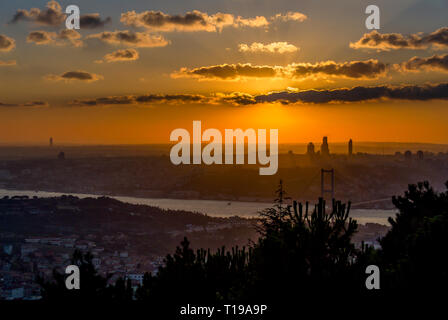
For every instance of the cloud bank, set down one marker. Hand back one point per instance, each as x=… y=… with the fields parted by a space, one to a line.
x=142 y=99
x=369 y=69
x=358 y=94
x=200 y=21
x=344 y=95
x=53 y=16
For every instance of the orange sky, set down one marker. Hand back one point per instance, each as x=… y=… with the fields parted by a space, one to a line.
x=321 y=51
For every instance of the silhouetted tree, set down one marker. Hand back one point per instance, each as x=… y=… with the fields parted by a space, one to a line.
x=308 y=252
x=300 y=253
x=414 y=252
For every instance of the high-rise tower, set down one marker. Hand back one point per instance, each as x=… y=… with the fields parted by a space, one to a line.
x=324 y=150
x=350 y=148
x=310 y=149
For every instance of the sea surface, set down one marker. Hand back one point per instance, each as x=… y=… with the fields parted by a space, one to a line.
x=213 y=208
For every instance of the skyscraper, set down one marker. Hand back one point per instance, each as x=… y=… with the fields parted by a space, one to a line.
x=324 y=150
x=350 y=148
x=51 y=141
x=310 y=149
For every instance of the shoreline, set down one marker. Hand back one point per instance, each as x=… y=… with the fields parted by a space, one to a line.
x=212 y=208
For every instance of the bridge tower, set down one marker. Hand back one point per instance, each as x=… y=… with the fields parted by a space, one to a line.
x=323 y=174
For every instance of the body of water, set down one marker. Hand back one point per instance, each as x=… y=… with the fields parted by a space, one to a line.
x=214 y=208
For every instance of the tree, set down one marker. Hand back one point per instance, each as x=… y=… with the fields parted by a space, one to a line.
x=306 y=252
x=414 y=252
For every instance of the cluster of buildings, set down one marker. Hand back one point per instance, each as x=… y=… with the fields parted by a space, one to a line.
x=21 y=262
x=325 y=149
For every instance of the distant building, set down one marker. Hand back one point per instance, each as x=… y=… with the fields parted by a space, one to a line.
x=408 y=155
x=7 y=248
x=51 y=141
x=350 y=148
x=420 y=155
x=324 y=150
x=310 y=149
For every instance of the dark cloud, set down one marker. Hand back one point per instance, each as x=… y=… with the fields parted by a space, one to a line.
x=358 y=94
x=389 y=41
x=236 y=98
x=200 y=21
x=191 y=21
x=51 y=16
x=370 y=69
x=6 y=43
x=75 y=75
x=229 y=72
x=121 y=55
x=131 y=39
x=92 y=21
x=39 y=37
x=143 y=99
x=345 y=95
x=434 y=63
x=65 y=37
x=27 y=104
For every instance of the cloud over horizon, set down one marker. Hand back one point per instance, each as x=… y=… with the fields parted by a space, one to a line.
x=142 y=99
x=358 y=94
x=288 y=97
x=369 y=69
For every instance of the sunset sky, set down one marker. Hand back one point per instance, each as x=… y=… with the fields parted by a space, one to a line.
x=136 y=70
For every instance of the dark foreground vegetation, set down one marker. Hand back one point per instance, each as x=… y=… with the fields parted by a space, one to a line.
x=301 y=251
